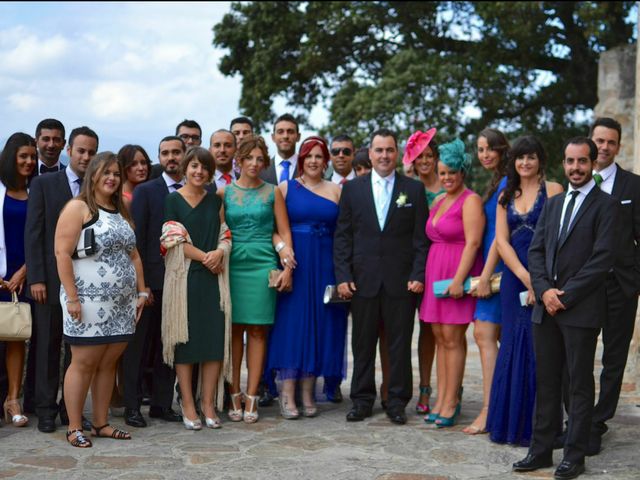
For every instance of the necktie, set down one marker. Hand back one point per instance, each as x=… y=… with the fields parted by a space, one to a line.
x=227 y=178
x=382 y=205
x=76 y=190
x=567 y=217
x=176 y=186
x=284 y=175
x=343 y=181
x=598 y=179
x=45 y=169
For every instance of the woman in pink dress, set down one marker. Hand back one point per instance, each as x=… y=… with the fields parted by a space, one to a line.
x=455 y=227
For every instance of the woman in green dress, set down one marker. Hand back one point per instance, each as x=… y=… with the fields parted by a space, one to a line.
x=421 y=152
x=253 y=210
x=201 y=214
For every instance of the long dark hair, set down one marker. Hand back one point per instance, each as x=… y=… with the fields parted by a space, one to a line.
x=498 y=143
x=126 y=155
x=8 y=167
x=522 y=146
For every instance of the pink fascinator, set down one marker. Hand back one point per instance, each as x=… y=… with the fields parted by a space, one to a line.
x=417 y=142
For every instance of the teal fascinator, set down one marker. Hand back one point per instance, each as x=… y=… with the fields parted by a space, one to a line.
x=452 y=154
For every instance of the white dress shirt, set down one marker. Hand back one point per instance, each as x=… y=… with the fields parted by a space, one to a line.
x=337 y=178
x=170 y=182
x=292 y=168
x=73 y=178
x=608 y=177
x=220 y=181
x=584 y=191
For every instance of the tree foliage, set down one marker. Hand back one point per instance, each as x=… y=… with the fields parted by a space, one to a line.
x=459 y=66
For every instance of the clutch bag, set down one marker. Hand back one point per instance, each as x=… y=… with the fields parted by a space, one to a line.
x=273 y=278
x=86 y=244
x=15 y=320
x=470 y=283
x=331 y=295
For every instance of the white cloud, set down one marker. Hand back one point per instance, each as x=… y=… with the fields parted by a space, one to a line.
x=33 y=53
x=22 y=101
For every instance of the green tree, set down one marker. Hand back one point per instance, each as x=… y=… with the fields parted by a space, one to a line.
x=459 y=66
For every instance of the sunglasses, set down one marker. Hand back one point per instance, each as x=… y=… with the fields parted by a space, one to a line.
x=336 y=151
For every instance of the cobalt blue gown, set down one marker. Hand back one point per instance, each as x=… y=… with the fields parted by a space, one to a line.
x=514 y=379
x=308 y=337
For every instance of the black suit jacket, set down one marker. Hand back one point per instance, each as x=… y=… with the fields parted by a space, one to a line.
x=376 y=259
x=626 y=190
x=582 y=261
x=147 y=211
x=48 y=194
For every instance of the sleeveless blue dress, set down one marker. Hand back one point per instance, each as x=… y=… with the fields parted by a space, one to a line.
x=514 y=379
x=308 y=337
x=14 y=217
x=488 y=309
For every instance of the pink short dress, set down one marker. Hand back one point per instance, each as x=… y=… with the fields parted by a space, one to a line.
x=447 y=238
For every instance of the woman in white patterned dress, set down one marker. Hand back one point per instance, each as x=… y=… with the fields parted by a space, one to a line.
x=104 y=294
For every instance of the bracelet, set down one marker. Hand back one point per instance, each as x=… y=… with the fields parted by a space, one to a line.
x=143 y=294
x=72 y=301
x=280 y=246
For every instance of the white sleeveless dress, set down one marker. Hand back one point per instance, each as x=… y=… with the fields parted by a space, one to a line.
x=106 y=283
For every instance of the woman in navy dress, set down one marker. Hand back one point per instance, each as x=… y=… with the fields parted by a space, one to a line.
x=514 y=379
x=17 y=164
x=492 y=154
x=308 y=338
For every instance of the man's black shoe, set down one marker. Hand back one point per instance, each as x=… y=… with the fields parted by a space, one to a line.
x=146 y=400
x=533 y=462
x=134 y=418
x=47 y=424
x=358 y=414
x=567 y=470
x=397 y=416
x=595 y=444
x=266 y=399
x=166 y=414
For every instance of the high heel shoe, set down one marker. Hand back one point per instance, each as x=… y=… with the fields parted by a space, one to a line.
x=191 y=424
x=431 y=418
x=10 y=415
x=423 y=408
x=443 y=422
x=249 y=415
x=235 y=414
x=211 y=422
x=285 y=411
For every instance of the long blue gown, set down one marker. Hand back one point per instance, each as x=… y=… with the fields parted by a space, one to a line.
x=514 y=379
x=308 y=337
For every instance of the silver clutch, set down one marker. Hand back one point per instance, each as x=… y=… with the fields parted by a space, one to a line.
x=331 y=295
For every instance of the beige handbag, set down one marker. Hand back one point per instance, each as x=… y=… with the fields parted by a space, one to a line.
x=15 y=320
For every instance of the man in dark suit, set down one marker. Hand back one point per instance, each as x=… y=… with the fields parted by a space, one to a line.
x=147 y=211
x=623 y=283
x=379 y=258
x=285 y=135
x=571 y=253
x=47 y=196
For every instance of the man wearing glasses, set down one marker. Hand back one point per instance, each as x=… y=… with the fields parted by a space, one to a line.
x=190 y=133
x=342 y=153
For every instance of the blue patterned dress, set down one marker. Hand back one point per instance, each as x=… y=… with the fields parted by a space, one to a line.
x=106 y=283
x=514 y=379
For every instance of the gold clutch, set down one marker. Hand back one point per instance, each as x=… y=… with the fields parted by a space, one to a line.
x=273 y=278
x=495 y=280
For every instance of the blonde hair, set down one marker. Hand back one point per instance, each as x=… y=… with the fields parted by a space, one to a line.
x=96 y=168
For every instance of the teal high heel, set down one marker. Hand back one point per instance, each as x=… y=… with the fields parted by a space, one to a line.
x=442 y=422
x=431 y=418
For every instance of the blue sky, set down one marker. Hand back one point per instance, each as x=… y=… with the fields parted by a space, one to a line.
x=131 y=71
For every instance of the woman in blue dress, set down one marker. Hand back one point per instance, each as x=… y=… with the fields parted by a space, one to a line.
x=17 y=164
x=308 y=338
x=514 y=382
x=492 y=153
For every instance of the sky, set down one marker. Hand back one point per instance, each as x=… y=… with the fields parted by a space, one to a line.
x=130 y=71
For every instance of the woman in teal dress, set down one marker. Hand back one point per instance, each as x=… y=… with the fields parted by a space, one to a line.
x=199 y=211
x=421 y=151
x=253 y=209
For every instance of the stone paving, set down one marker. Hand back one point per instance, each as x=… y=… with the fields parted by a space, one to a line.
x=325 y=447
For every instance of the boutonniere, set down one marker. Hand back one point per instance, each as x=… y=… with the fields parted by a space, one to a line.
x=402 y=200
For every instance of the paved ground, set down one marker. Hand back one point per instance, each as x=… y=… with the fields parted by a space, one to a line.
x=325 y=447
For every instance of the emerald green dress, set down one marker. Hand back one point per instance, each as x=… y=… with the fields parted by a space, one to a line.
x=205 y=319
x=431 y=196
x=249 y=215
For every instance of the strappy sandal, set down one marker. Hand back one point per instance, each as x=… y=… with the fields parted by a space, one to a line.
x=79 y=440
x=423 y=408
x=116 y=433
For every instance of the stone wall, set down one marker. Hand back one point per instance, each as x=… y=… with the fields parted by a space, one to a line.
x=617 y=97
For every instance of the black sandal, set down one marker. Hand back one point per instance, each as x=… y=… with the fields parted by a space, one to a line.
x=79 y=440
x=116 y=433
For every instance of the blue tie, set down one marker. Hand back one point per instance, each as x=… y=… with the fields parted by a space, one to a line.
x=284 y=175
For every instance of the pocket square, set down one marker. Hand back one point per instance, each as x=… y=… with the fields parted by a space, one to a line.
x=406 y=205
x=625 y=202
